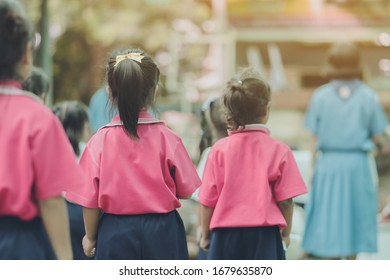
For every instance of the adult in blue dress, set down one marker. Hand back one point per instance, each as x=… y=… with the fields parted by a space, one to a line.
x=347 y=121
x=100 y=109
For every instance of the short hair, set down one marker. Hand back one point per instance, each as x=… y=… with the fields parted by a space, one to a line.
x=73 y=116
x=246 y=101
x=37 y=83
x=343 y=61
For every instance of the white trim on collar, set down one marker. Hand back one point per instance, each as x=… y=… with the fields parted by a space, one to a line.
x=251 y=127
x=140 y=121
x=14 y=91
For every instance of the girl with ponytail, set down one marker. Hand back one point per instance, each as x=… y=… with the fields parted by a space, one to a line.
x=138 y=169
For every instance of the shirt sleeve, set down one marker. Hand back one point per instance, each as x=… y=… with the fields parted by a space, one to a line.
x=378 y=122
x=54 y=162
x=290 y=182
x=184 y=172
x=208 y=194
x=88 y=194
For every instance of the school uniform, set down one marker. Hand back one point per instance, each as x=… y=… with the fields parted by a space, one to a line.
x=136 y=184
x=36 y=163
x=342 y=208
x=246 y=174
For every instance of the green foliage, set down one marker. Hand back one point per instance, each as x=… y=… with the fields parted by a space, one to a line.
x=91 y=28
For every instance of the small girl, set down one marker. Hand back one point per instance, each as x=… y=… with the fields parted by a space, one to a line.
x=248 y=182
x=137 y=169
x=36 y=163
x=213 y=125
x=74 y=118
x=37 y=83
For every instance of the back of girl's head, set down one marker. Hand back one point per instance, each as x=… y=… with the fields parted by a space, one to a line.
x=132 y=77
x=37 y=82
x=15 y=34
x=246 y=101
x=73 y=116
x=213 y=122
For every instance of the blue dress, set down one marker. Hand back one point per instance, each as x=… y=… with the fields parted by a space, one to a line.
x=342 y=208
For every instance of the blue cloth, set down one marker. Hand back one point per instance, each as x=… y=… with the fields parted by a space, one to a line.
x=202 y=254
x=77 y=230
x=342 y=208
x=141 y=237
x=250 y=243
x=101 y=109
x=24 y=240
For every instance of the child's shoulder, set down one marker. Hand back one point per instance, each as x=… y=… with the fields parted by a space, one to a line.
x=323 y=90
x=279 y=145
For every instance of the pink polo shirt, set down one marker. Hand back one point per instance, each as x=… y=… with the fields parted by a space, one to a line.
x=246 y=174
x=36 y=159
x=136 y=177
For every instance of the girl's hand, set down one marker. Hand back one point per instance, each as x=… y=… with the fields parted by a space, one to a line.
x=89 y=246
x=204 y=243
x=286 y=240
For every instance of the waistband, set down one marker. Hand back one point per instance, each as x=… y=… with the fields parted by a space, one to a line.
x=13 y=220
x=342 y=150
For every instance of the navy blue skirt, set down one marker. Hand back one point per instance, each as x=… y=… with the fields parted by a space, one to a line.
x=251 y=243
x=141 y=237
x=24 y=240
x=202 y=254
x=77 y=230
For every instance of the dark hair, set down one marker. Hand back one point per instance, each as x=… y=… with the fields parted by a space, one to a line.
x=246 y=101
x=37 y=82
x=343 y=62
x=217 y=115
x=15 y=34
x=73 y=116
x=132 y=86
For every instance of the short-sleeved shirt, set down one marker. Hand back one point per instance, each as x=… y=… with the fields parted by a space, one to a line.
x=128 y=176
x=246 y=174
x=345 y=115
x=36 y=159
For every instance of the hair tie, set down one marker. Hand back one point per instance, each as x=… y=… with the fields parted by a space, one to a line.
x=134 y=56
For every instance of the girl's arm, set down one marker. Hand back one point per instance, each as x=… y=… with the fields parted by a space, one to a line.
x=287 y=207
x=206 y=214
x=91 y=221
x=54 y=215
x=383 y=143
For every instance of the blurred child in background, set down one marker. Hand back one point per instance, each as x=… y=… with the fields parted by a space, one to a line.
x=37 y=83
x=74 y=118
x=213 y=123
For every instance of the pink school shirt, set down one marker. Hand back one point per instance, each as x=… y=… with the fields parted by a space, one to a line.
x=246 y=174
x=36 y=159
x=136 y=177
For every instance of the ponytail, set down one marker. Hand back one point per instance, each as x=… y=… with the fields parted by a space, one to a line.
x=246 y=102
x=132 y=77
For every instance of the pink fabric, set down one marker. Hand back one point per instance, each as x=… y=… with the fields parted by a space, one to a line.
x=37 y=161
x=246 y=174
x=136 y=177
